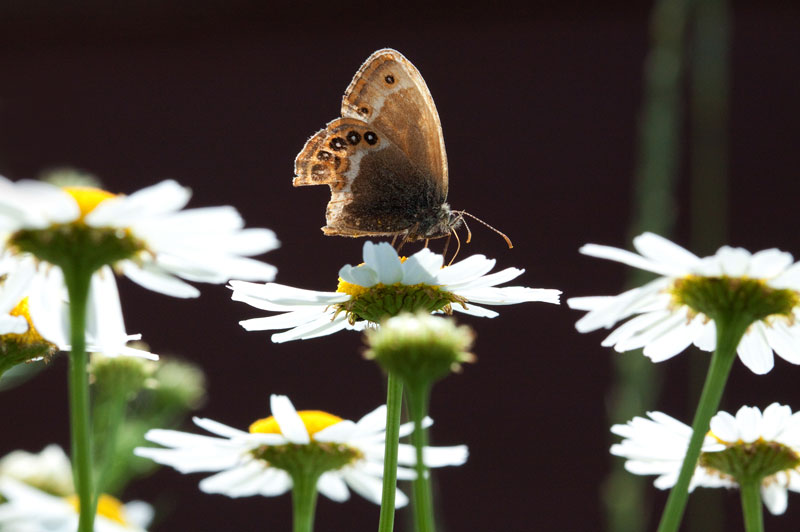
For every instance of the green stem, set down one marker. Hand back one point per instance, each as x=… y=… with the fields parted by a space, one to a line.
x=729 y=333
x=394 y=403
x=751 y=506
x=418 y=399
x=77 y=282
x=108 y=416
x=304 y=501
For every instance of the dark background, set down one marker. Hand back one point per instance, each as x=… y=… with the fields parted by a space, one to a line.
x=539 y=110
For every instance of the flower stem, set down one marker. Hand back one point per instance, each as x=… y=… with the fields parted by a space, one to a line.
x=77 y=282
x=304 y=501
x=729 y=333
x=751 y=505
x=394 y=402
x=418 y=399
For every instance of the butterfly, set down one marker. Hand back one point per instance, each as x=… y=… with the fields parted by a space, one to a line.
x=384 y=159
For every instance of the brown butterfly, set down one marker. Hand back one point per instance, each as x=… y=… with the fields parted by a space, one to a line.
x=384 y=159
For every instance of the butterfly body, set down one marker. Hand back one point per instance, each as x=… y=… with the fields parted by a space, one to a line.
x=384 y=159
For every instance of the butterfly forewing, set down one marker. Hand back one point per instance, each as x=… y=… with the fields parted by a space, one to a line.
x=384 y=160
x=389 y=93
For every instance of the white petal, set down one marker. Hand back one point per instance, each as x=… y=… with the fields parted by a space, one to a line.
x=283 y=296
x=774 y=419
x=784 y=339
x=371 y=424
x=755 y=352
x=333 y=487
x=474 y=310
x=769 y=263
x=367 y=486
x=668 y=344
x=286 y=320
x=362 y=275
x=152 y=278
x=790 y=278
x=339 y=432
x=289 y=421
x=731 y=261
x=748 y=422
x=215 y=427
x=776 y=498
x=322 y=326
x=724 y=427
x=383 y=259
x=630 y=259
x=161 y=198
x=241 y=481
x=465 y=271
x=422 y=267
x=509 y=295
x=660 y=250
x=492 y=279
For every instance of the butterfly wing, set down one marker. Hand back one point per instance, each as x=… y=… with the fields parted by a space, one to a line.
x=375 y=188
x=389 y=93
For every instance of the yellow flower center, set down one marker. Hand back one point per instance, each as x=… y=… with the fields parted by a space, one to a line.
x=107 y=506
x=88 y=198
x=31 y=336
x=314 y=421
x=353 y=290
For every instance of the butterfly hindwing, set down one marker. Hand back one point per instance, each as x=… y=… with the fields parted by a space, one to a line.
x=375 y=188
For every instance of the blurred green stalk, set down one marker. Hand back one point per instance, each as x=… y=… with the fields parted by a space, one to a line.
x=636 y=383
x=709 y=102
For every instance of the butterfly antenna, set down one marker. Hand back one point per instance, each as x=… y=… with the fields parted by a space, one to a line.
x=499 y=232
x=466 y=226
x=394 y=239
x=458 y=245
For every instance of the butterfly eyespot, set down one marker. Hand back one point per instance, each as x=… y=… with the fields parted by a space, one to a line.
x=353 y=138
x=370 y=137
x=363 y=110
x=323 y=155
x=318 y=170
x=389 y=79
x=337 y=143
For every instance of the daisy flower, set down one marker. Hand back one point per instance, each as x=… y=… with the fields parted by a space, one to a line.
x=48 y=470
x=147 y=236
x=680 y=307
x=385 y=285
x=31 y=510
x=750 y=445
x=279 y=450
x=34 y=310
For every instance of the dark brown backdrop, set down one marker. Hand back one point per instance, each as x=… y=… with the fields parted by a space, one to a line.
x=539 y=111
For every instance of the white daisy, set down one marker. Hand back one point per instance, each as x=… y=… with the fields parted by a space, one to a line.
x=385 y=285
x=664 y=324
x=205 y=245
x=48 y=470
x=34 y=306
x=260 y=462
x=656 y=446
x=31 y=510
